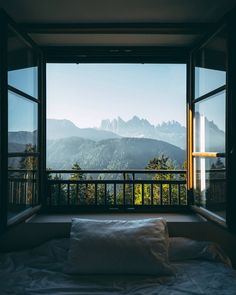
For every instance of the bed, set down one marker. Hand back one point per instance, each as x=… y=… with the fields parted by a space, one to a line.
x=200 y=268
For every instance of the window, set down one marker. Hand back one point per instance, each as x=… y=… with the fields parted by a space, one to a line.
x=209 y=125
x=23 y=179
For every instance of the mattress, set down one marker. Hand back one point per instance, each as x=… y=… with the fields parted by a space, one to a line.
x=198 y=270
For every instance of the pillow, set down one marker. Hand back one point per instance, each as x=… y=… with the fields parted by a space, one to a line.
x=181 y=248
x=119 y=247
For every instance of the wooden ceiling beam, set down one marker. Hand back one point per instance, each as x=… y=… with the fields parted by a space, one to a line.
x=118 y=28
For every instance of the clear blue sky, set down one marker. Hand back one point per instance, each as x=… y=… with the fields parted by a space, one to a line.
x=88 y=93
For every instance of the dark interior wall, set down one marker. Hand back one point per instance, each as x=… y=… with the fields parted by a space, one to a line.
x=28 y=235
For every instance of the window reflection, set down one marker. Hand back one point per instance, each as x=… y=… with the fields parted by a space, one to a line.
x=22 y=124
x=210 y=65
x=209 y=124
x=22 y=184
x=22 y=65
x=210 y=184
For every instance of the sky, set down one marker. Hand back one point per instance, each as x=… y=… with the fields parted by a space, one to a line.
x=89 y=93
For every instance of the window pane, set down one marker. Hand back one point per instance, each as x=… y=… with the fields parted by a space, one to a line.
x=23 y=184
x=209 y=124
x=210 y=65
x=22 y=124
x=210 y=184
x=22 y=65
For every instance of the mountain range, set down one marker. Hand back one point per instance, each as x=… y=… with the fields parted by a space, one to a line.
x=171 y=132
x=105 y=148
x=64 y=128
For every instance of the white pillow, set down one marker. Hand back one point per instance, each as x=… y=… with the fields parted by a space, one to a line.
x=181 y=248
x=119 y=247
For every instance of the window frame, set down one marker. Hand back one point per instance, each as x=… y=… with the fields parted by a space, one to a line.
x=162 y=55
x=5 y=23
x=227 y=222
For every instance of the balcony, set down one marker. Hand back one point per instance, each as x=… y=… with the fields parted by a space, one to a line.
x=104 y=190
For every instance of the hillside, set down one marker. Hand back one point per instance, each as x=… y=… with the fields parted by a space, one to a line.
x=123 y=153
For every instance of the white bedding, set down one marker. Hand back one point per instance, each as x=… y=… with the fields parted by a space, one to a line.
x=40 y=271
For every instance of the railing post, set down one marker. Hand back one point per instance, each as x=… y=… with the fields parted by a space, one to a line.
x=133 y=189
x=124 y=175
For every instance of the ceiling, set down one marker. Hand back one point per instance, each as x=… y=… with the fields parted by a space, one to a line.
x=166 y=23
x=87 y=11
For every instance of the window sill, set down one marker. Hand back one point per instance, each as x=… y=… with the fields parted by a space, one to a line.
x=20 y=217
x=66 y=218
x=210 y=216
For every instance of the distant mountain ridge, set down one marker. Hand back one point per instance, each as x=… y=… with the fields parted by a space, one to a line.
x=22 y=137
x=172 y=132
x=65 y=128
x=117 y=153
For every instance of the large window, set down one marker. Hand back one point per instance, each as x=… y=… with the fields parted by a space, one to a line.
x=115 y=116
x=210 y=125
x=124 y=118
x=23 y=180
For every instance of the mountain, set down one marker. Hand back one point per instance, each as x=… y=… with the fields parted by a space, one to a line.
x=18 y=140
x=171 y=132
x=214 y=137
x=22 y=137
x=64 y=128
x=118 y=153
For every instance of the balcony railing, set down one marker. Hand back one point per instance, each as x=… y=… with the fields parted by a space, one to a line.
x=22 y=190
x=116 y=189
x=113 y=190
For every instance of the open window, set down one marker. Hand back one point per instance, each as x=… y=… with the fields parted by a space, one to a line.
x=209 y=123
x=20 y=128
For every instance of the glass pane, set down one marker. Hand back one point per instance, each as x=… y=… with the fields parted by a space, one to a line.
x=209 y=124
x=23 y=184
x=210 y=184
x=22 y=124
x=210 y=65
x=22 y=65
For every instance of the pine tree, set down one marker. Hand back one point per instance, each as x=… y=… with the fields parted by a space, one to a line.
x=77 y=190
x=162 y=162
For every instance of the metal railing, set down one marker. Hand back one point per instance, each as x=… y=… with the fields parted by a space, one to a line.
x=111 y=189
x=22 y=188
x=116 y=189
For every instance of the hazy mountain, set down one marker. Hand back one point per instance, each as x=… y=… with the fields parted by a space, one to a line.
x=18 y=140
x=64 y=128
x=22 y=137
x=68 y=144
x=121 y=153
x=214 y=137
x=171 y=132
x=16 y=147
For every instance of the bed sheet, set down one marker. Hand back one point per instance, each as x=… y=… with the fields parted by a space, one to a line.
x=40 y=271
